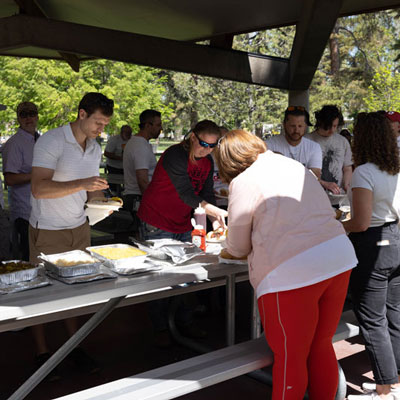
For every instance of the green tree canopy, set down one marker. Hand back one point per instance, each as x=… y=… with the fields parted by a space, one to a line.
x=57 y=90
x=357 y=72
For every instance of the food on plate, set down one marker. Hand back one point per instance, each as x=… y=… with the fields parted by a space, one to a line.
x=116 y=253
x=113 y=201
x=338 y=213
x=14 y=266
x=225 y=254
x=218 y=235
x=224 y=192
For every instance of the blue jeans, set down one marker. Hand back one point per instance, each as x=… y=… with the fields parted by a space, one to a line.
x=375 y=291
x=150 y=232
x=158 y=309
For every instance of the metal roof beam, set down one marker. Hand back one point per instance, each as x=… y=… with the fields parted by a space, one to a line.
x=145 y=50
x=31 y=8
x=222 y=42
x=312 y=33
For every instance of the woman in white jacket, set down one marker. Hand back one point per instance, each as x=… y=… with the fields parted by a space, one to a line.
x=299 y=261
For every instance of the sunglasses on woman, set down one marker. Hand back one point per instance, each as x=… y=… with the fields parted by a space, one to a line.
x=204 y=144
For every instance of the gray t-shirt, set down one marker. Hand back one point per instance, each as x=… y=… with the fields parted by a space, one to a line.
x=115 y=144
x=138 y=154
x=336 y=154
x=306 y=152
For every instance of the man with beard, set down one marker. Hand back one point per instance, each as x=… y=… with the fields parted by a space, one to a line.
x=292 y=144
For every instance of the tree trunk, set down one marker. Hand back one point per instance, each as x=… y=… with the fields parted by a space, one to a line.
x=334 y=49
x=259 y=131
x=194 y=118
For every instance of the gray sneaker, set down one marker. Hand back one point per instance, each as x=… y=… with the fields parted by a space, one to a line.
x=368 y=387
x=369 y=396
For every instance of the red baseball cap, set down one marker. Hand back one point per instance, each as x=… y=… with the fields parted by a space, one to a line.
x=393 y=116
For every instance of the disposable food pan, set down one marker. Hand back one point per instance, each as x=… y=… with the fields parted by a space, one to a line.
x=81 y=263
x=117 y=264
x=20 y=271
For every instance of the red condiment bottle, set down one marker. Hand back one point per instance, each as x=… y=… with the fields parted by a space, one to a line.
x=199 y=237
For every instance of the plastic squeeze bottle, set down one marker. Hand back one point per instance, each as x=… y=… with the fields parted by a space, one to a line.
x=199 y=237
x=200 y=216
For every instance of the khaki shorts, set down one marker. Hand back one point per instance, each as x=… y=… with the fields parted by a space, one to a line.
x=58 y=241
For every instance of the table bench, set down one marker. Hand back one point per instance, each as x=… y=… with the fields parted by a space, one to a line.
x=199 y=372
x=59 y=301
x=186 y=376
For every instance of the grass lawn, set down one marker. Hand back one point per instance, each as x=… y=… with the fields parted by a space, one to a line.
x=163 y=145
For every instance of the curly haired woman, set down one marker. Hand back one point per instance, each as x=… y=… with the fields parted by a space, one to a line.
x=375 y=234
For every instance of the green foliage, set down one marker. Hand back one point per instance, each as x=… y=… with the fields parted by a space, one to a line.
x=357 y=71
x=365 y=44
x=384 y=91
x=57 y=90
x=232 y=104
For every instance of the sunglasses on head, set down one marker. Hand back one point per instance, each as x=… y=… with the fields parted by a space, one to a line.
x=26 y=114
x=202 y=143
x=295 y=108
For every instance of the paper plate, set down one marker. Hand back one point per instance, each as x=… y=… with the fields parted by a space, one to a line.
x=105 y=206
x=215 y=240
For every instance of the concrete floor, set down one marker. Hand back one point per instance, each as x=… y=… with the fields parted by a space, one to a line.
x=123 y=345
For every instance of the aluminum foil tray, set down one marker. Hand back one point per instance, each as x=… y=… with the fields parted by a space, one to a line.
x=121 y=263
x=103 y=273
x=10 y=278
x=165 y=249
x=39 y=281
x=183 y=252
x=87 y=264
x=146 y=266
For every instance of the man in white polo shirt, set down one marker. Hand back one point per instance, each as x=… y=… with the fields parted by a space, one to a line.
x=65 y=173
x=292 y=144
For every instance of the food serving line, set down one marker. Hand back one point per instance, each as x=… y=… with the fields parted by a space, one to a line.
x=59 y=301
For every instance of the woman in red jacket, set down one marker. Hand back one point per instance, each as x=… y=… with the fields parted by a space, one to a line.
x=182 y=180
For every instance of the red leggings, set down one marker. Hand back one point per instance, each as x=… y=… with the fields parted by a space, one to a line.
x=299 y=325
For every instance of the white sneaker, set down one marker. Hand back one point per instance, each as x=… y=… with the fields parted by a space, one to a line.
x=369 y=396
x=371 y=387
